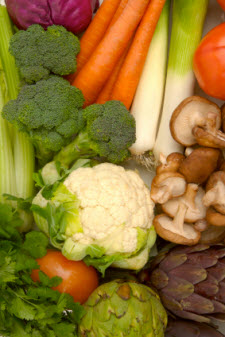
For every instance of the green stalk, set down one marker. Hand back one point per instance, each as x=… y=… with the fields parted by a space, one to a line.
x=187 y=25
x=21 y=148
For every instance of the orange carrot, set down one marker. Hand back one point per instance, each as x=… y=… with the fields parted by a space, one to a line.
x=106 y=92
x=94 y=74
x=129 y=76
x=96 y=30
x=119 y=11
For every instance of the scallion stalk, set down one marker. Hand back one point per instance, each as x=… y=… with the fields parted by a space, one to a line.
x=187 y=25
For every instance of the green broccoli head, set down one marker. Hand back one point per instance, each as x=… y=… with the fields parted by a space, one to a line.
x=49 y=111
x=111 y=128
x=109 y=132
x=38 y=52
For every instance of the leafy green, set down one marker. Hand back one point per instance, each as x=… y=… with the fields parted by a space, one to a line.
x=27 y=308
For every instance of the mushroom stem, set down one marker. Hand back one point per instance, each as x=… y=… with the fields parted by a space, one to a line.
x=178 y=221
x=190 y=195
x=210 y=137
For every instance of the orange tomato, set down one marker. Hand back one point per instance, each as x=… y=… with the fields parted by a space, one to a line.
x=209 y=62
x=222 y=3
x=78 y=279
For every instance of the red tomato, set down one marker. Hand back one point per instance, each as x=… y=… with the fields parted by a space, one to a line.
x=78 y=279
x=222 y=3
x=209 y=62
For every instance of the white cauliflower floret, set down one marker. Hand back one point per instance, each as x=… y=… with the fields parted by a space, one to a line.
x=113 y=203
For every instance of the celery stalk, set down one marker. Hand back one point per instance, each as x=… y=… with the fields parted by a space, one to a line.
x=18 y=155
x=187 y=25
x=147 y=102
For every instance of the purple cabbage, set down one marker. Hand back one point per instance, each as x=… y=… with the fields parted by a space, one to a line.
x=74 y=15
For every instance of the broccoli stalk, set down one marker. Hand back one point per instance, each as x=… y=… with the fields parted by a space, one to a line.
x=16 y=151
x=109 y=132
x=49 y=112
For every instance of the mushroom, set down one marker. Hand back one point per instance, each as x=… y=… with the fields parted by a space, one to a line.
x=199 y=165
x=212 y=235
x=197 y=120
x=176 y=230
x=166 y=186
x=215 y=218
x=223 y=116
x=192 y=199
x=171 y=163
x=215 y=192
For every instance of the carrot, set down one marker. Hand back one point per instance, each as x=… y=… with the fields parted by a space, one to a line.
x=129 y=76
x=119 y=11
x=96 y=30
x=106 y=92
x=94 y=74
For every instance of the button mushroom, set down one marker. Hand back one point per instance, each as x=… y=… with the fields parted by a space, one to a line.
x=200 y=164
x=197 y=120
x=192 y=199
x=166 y=186
x=215 y=192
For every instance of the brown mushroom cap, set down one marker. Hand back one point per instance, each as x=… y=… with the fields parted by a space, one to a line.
x=213 y=234
x=197 y=120
x=184 y=234
x=215 y=192
x=215 y=218
x=223 y=116
x=166 y=186
x=192 y=199
x=171 y=164
x=198 y=166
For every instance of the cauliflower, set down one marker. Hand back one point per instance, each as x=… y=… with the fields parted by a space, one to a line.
x=105 y=216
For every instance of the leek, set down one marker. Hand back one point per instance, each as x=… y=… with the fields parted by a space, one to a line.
x=147 y=102
x=187 y=25
x=17 y=155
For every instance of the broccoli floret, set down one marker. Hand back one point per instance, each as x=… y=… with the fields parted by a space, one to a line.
x=109 y=132
x=38 y=52
x=50 y=112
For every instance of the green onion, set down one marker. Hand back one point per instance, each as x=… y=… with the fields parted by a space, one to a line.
x=16 y=151
x=187 y=25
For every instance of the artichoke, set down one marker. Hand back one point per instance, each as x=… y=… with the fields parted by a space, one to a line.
x=181 y=328
x=191 y=281
x=123 y=309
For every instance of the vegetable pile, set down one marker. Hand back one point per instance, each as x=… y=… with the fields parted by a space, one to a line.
x=86 y=247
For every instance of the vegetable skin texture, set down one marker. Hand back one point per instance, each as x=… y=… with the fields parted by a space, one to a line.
x=101 y=214
x=109 y=132
x=78 y=279
x=49 y=112
x=38 y=52
x=222 y=4
x=130 y=73
x=92 y=77
x=96 y=30
x=190 y=281
x=148 y=99
x=182 y=328
x=209 y=63
x=16 y=150
x=135 y=310
x=74 y=15
x=188 y=20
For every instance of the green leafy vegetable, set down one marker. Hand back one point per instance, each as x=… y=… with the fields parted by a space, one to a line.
x=27 y=308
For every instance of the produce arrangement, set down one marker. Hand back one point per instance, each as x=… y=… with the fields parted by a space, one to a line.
x=93 y=94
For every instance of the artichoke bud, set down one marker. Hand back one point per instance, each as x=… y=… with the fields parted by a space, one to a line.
x=123 y=309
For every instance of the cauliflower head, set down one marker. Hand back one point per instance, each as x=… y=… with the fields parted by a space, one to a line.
x=103 y=214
